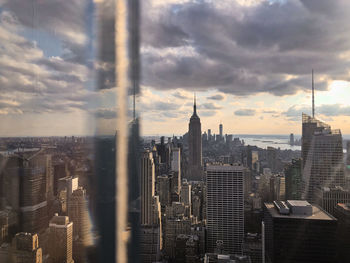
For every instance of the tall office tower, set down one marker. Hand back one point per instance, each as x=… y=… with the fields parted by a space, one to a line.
x=255 y=161
x=342 y=213
x=329 y=197
x=25 y=249
x=150 y=243
x=196 y=207
x=79 y=215
x=175 y=226
x=205 y=137
x=348 y=154
x=65 y=187
x=291 y=139
x=248 y=157
x=176 y=168
x=161 y=149
x=61 y=239
x=296 y=231
x=151 y=228
x=27 y=188
x=185 y=196
x=147 y=187
x=221 y=130
x=278 y=187
x=322 y=154
x=293 y=178
x=272 y=158
x=60 y=170
x=163 y=190
x=225 y=208
x=195 y=146
x=151 y=238
x=209 y=134
x=4 y=226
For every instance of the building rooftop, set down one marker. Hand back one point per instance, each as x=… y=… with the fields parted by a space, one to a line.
x=225 y=167
x=317 y=213
x=346 y=206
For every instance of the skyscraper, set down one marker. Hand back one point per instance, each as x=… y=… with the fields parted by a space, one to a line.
x=61 y=240
x=195 y=146
x=293 y=180
x=176 y=168
x=322 y=154
x=220 y=130
x=225 y=208
x=296 y=231
x=185 y=196
x=147 y=187
x=25 y=249
x=78 y=212
x=27 y=187
x=151 y=229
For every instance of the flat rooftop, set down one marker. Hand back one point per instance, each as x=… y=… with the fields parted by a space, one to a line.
x=299 y=203
x=225 y=167
x=317 y=213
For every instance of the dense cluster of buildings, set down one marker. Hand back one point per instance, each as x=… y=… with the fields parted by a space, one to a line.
x=201 y=197
x=44 y=213
x=224 y=201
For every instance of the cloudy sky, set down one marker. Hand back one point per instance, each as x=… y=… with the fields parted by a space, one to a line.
x=249 y=62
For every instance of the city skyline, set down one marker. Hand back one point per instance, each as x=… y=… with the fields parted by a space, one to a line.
x=249 y=72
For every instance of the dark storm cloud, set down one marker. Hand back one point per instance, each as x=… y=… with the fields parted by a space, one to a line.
x=247 y=50
x=209 y=106
x=106 y=113
x=245 y=112
x=216 y=97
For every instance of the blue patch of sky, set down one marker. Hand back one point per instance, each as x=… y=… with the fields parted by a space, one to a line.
x=49 y=43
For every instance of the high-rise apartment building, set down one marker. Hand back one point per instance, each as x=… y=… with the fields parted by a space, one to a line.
x=322 y=156
x=61 y=239
x=225 y=207
x=195 y=146
x=297 y=232
x=25 y=249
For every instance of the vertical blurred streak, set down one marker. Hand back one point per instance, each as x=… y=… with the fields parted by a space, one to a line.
x=121 y=40
x=134 y=139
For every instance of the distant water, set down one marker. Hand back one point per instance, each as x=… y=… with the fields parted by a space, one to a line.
x=264 y=141
x=261 y=141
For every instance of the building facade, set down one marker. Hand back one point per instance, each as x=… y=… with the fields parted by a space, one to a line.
x=147 y=187
x=195 y=147
x=298 y=232
x=225 y=207
x=61 y=239
x=322 y=156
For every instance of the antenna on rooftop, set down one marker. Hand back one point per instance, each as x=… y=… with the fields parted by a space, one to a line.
x=313 y=96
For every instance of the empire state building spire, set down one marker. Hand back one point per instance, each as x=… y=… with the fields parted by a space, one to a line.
x=194 y=105
x=194 y=115
x=195 y=145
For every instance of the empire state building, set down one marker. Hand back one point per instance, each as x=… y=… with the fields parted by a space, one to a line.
x=195 y=146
